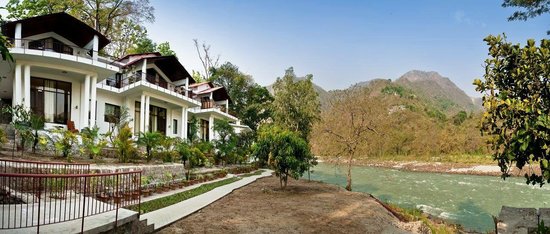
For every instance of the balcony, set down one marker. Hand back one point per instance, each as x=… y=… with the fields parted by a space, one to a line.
x=157 y=81
x=52 y=48
x=208 y=104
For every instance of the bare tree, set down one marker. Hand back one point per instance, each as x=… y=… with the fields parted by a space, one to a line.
x=208 y=61
x=350 y=122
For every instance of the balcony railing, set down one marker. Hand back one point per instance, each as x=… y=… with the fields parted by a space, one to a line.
x=157 y=81
x=208 y=104
x=61 y=48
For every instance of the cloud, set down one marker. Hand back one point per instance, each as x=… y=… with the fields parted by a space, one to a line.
x=461 y=18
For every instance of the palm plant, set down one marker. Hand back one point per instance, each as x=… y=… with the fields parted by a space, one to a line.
x=150 y=140
x=91 y=141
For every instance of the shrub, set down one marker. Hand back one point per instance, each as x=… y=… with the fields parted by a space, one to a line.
x=91 y=142
x=124 y=144
x=64 y=143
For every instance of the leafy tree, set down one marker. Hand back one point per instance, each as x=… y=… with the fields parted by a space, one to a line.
x=21 y=122
x=165 y=50
x=289 y=154
x=227 y=142
x=143 y=45
x=190 y=156
x=150 y=140
x=296 y=105
x=4 y=52
x=516 y=97
x=533 y=8
x=250 y=101
x=351 y=123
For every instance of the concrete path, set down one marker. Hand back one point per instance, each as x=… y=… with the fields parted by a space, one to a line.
x=165 y=216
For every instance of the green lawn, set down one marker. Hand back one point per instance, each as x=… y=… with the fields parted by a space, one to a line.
x=178 y=197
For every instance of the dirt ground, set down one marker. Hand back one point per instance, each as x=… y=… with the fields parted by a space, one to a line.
x=304 y=207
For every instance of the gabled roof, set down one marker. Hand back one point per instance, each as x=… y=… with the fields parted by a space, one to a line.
x=169 y=65
x=218 y=93
x=201 y=83
x=61 y=23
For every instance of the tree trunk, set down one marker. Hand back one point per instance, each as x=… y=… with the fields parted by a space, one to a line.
x=350 y=160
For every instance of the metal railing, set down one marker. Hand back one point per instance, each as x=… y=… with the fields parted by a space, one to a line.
x=35 y=167
x=62 y=49
x=212 y=104
x=157 y=81
x=33 y=200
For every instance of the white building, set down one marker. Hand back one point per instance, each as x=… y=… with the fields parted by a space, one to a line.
x=59 y=74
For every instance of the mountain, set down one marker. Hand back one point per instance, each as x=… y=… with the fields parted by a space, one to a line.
x=439 y=91
x=428 y=86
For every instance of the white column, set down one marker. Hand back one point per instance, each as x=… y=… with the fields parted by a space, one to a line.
x=227 y=106
x=144 y=69
x=17 y=36
x=147 y=104
x=211 y=128
x=27 y=86
x=93 y=100
x=142 y=114
x=183 y=133
x=17 y=85
x=85 y=103
x=187 y=87
x=95 y=47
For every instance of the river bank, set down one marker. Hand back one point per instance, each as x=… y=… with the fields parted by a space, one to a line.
x=484 y=169
x=303 y=207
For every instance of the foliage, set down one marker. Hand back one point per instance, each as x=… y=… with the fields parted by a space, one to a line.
x=143 y=45
x=193 y=130
x=160 y=203
x=124 y=145
x=288 y=154
x=533 y=8
x=460 y=117
x=226 y=143
x=296 y=105
x=350 y=123
x=190 y=156
x=408 y=131
x=541 y=229
x=120 y=20
x=207 y=149
x=64 y=143
x=91 y=142
x=21 y=122
x=119 y=121
x=165 y=50
x=37 y=124
x=149 y=140
x=167 y=152
x=250 y=101
x=516 y=97
x=4 y=52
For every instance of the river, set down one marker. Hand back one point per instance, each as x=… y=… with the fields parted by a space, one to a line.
x=468 y=200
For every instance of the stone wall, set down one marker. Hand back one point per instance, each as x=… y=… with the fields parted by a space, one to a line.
x=521 y=220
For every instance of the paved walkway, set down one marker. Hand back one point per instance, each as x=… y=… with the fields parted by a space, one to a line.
x=165 y=216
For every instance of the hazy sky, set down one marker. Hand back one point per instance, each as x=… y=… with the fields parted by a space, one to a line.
x=341 y=42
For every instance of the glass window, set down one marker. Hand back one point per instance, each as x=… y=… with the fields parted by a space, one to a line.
x=175 y=126
x=51 y=99
x=112 y=113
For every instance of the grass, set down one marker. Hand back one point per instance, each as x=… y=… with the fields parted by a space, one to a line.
x=258 y=172
x=160 y=203
x=415 y=214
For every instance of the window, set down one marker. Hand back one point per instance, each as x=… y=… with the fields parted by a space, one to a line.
x=112 y=113
x=175 y=126
x=157 y=119
x=137 y=118
x=51 y=99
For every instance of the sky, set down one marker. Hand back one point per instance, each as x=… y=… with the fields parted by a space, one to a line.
x=341 y=42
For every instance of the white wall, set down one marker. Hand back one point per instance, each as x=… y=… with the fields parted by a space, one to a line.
x=102 y=98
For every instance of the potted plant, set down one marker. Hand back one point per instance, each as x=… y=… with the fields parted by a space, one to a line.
x=146 y=186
